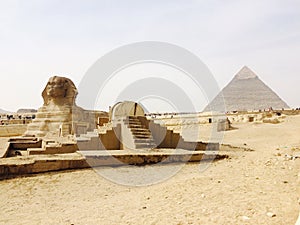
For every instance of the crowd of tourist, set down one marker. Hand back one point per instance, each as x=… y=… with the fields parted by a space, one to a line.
x=6 y=119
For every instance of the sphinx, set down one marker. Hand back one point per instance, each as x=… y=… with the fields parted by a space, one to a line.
x=59 y=113
x=59 y=91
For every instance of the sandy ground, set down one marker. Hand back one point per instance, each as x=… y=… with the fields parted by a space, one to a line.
x=239 y=190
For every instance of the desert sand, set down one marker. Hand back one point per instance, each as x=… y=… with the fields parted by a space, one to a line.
x=250 y=187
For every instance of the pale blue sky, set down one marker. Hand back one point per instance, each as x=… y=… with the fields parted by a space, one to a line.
x=40 y=39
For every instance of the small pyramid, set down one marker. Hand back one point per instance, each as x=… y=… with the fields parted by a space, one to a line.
x=246 y=92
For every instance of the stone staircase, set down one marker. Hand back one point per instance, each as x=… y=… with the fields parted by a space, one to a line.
x=142 y=136
x=88 y=136
x=131 y=134
x=89 y=141
x=103 y=138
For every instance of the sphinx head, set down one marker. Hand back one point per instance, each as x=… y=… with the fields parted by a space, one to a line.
x=60 y=91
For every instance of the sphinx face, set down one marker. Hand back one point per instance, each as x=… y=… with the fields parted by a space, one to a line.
x=56 y=88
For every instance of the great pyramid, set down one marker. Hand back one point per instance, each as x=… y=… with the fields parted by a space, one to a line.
x=246 y=92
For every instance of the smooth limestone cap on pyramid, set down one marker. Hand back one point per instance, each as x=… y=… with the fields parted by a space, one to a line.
x=245 y=73
x=246 y=92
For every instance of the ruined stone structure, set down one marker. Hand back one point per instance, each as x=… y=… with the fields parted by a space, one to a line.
x=223 y=125
x=126 y=108
x=60 y=126
x=129 y=129
x=56 y=123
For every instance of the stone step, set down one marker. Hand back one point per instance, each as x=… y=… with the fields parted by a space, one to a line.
x=146 y=141
x=83 y=139
x=92 y=132
x=133 y=123
x=134 y=132
x=141 y=129
x=132 y=117
x=145 y=146
x=35 y=151
x=144 y=133
x=89 y=135
x=143 y=136
x=136 y=126
x=138 y=129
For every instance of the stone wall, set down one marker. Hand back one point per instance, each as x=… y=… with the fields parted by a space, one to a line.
x=12 y=130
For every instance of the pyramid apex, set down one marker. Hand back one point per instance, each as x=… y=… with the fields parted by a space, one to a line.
x=245 y=73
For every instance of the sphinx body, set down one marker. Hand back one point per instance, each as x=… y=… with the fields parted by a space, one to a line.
x=57 y=115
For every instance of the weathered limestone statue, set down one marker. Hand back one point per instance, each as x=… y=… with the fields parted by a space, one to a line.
x=59 y=92
x=55 y=118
